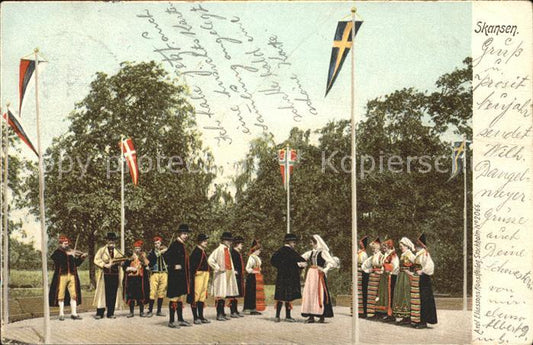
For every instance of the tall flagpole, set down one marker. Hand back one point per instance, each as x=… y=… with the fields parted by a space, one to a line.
x=122 y=212
x=288 y=187
x=465 y=259
x=355 y=306
x=44 y=235
x=5 y=225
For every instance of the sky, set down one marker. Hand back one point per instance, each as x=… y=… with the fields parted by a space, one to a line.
x=265 y=44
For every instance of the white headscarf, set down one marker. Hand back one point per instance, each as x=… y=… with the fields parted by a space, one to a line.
x=407 y=242
x=320 y=244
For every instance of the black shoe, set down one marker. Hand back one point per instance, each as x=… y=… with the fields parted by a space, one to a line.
x=321 y=320
x=61 y=318
x=277 y=319
x=149 y=314
x=75 y=317
x=184 y=323
x=129 y=315
x=234 y=315
x=310 y=320
x=205 y=321
x=98 y=317
x=143 y=314
x=159 y=314
x=221 y=318
x=421 y=325
x=111 y=317
x=362 y=316
x=255 y=313
x=197 y=322
x=173 y=325
x=239 y=314
x=226 y=317
x=290 y=319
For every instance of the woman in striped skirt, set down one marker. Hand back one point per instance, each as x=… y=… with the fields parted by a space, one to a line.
x=423 y=309
x=373 y=266
x=362 y=278
x=254 y=298
x=401 y=305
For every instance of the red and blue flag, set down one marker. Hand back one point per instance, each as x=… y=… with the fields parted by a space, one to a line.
x=17 y=127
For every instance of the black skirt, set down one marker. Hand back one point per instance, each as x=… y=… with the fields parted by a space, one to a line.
x=428 y=310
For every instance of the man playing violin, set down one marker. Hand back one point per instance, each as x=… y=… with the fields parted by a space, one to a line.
x=65 y=287
x=137 y=280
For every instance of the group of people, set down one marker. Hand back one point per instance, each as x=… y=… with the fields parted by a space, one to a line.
x=140 y=278
x=396 y=288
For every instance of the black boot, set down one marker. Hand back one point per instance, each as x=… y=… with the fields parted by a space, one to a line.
x=288 y=312
x=201 y=312
x=181 y=322
x=132 y=307
x=279 y=305
x=159 y=305
x=141 y=309
x=99 y=313
x=171 y=313
x=220 y=310
x=150 y=308
x=233 y=308
x=194 y=308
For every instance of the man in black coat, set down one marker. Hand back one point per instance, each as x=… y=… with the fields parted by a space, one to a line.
x=178 y=276
x=65 y=287
x=288 y=263
x=238 y=265
x=198 y=284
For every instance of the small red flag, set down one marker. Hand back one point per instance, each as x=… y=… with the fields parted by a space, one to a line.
x=282 y=158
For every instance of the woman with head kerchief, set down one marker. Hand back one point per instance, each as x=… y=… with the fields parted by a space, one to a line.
x=401 y=305
x=387 y=282
x=316 y=300
x=254 y=297
x=423 y=310
x=362 y=278
x=373 y=266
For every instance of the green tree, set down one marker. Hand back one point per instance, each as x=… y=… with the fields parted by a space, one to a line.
x=83 y=180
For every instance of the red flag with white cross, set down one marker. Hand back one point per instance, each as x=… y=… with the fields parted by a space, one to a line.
x=287 y=163
x=128 y=150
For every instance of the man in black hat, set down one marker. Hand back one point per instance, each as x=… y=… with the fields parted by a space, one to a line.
x=109 y=277
x=238 y=265
x=288 y=263
x=199 y=280
x=224 y=281
x=178 y=276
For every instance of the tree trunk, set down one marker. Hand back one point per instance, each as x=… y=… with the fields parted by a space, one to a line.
x=92 y=278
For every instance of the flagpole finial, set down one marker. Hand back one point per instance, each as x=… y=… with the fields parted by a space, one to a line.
x=354 y=9
x=36 y=50
x=8 y=104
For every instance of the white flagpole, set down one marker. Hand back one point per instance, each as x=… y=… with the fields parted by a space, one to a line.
x=355 y=305
x=288 y=187
x=122 y=212
x=465 y=258
x=44 y=235
x=5 y=224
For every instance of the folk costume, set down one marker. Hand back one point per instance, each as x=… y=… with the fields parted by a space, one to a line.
x=362 y=279
x=177 y=261
x=158 y=276
x=65 y=286
x=199 y=280
x=387 y=282
x=423 y=309
x=316 y=300
x=224 y=280
x=288 y=264
x=401 y=304
x=238 y=265
x=109 y=277
x=374 y=267
x=136 y=280
x=254 y=296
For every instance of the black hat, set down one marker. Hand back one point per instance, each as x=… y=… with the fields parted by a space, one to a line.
x=202 y=237
x=363 y=243
x=255 y=246
x=376 y=241
x=226 y=236
x=111 y=236
x=238 y=239
x=183 y=228
x=422 y=240
x=290 y=237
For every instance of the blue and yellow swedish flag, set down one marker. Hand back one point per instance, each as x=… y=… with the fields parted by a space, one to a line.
x=342 y=42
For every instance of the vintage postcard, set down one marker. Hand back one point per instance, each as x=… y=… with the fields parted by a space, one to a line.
x=282 y=172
